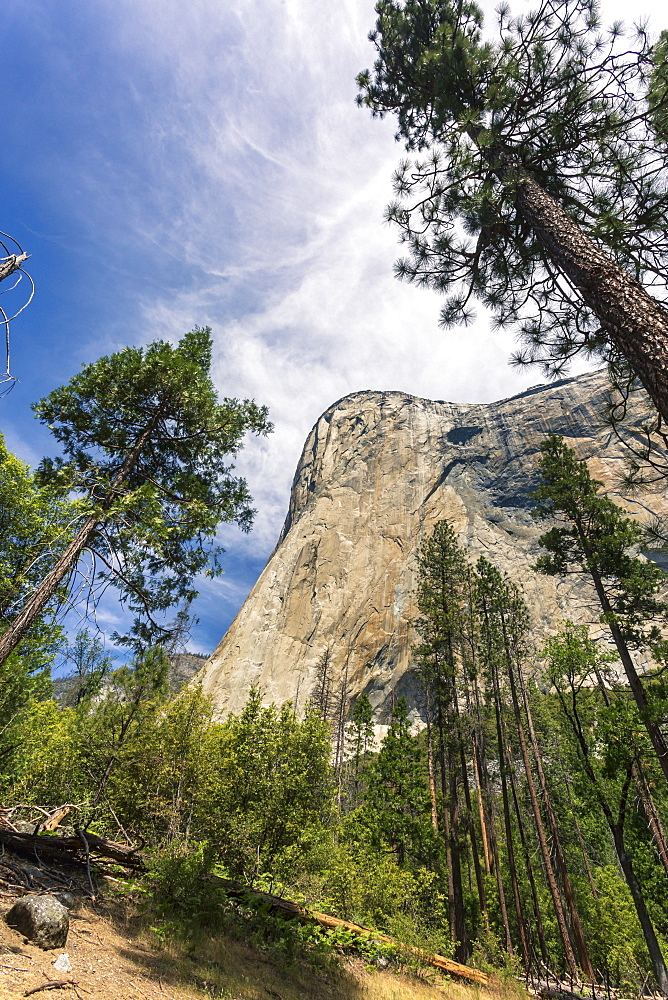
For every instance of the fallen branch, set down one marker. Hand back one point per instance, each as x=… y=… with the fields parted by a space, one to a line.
x=71 y=848
x=290 y=910
x=53 y=984
x=57 y=817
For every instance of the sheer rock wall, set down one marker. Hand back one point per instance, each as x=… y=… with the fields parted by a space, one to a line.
x=377 y=471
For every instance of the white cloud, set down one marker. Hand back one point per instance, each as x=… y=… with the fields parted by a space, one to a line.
x=246 y=189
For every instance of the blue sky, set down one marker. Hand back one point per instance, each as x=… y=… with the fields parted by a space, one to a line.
x=170 y=164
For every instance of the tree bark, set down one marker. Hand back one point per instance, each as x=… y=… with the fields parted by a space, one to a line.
x=636 y=323
x=461 y=937
x=470 y=825
x=446 y=825
x=430 y=764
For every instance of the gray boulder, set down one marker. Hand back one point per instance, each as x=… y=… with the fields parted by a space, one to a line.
x=41 y=919
x=66 y=898
x=25 y=826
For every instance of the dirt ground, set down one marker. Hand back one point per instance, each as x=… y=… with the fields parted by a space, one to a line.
x=105 y=964
x=115 y=959
x=115 y=955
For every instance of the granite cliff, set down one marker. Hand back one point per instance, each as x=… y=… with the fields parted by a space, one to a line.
x=377 y=471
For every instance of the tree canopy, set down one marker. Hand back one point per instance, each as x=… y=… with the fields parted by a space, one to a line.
x=537 y=181
x=147 y=448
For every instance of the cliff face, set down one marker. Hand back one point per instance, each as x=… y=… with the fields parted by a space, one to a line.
x=377 y=471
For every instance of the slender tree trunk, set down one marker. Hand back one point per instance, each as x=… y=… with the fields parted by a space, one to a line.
x=340 y=736
x=637 y=690
x=496 y=694
x=636 y=323
x=430 y=763
x=487 y=810
x=542 y=839
x=446 y=825
x=651 y=812
x=576 y=923
x=47 y=588
x=479 y=764
x=470 y=824
x=461 y=951
x=583 y=850
x=519 y=815
x=616 y=828
x=481 y=807
x=453 y=742
x=510 y=847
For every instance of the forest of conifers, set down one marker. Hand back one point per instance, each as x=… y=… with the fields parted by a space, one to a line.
x=516 y=817
x=521 y=821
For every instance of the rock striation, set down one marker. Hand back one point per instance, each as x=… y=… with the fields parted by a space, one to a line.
x=377 y=471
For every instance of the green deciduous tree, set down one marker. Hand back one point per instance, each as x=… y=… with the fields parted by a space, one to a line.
x=595 y=537
x=539 y=186
x=273 y=792
x=112 y=728
x=147 y=446
x=35 y=524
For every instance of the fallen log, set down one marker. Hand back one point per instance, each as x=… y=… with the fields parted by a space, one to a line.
x=71 y=848
x=290 y=910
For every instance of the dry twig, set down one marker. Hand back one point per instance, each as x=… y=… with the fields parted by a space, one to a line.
x=53 y=984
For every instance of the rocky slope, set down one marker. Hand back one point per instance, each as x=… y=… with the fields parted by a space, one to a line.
x=377 y=471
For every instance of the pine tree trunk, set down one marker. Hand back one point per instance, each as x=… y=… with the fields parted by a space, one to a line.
x=496 y=693
x=637 y=690
x=651 y=812
x=542 y=839
x=480 y=766
x=510 y=848
x=481 y=808
x=68 y=560
x=487 y=810
x=462 y=948
x=576 y=923
x=470 y=824
x=636 y=323
x=519 y=816
x=430 y=764
x=446 y=826
x=617 y=830
x=583 y=850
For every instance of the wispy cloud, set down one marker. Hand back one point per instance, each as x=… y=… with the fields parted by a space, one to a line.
x=207 y=165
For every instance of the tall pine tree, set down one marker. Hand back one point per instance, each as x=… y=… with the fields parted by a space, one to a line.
x=537 y=180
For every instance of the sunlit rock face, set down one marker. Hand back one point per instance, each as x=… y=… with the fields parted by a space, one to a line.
x=377 y=471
